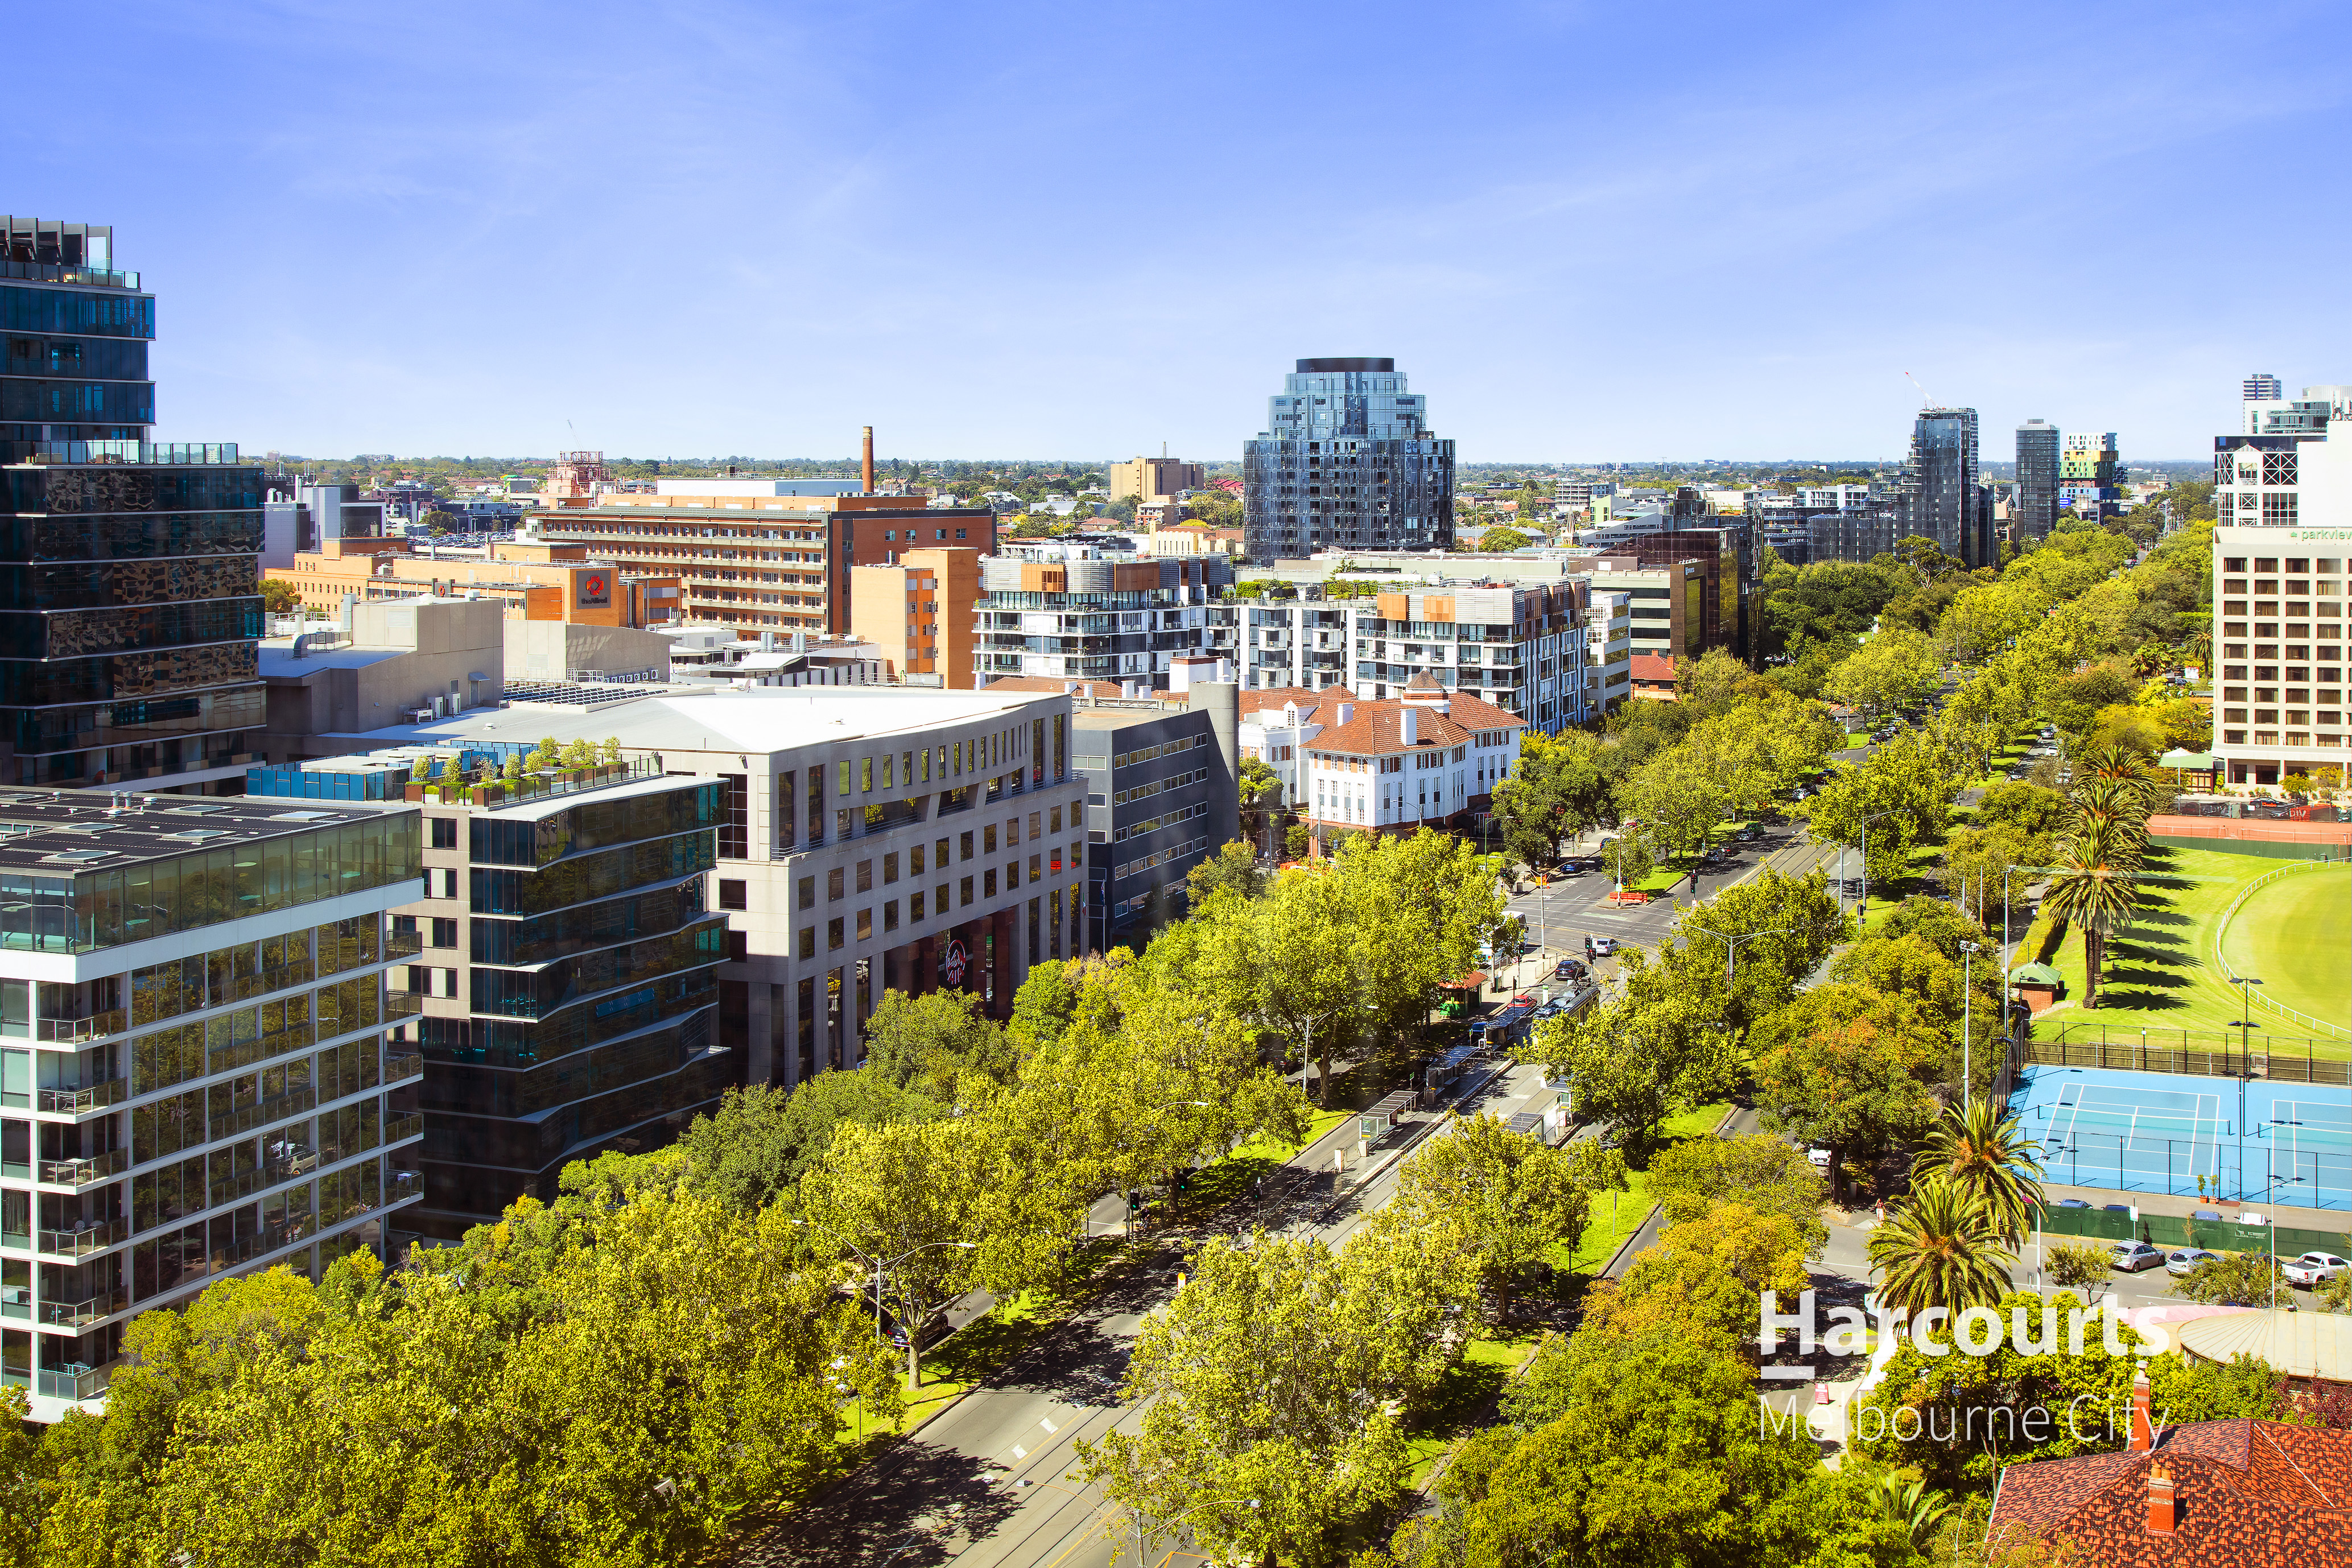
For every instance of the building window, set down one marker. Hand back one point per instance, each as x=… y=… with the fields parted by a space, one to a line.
x=444 y=932
x=836 y=884
x=2279 y=511
x=807 y=948
x=835 y=935
x=865 y=876
x=864 y=925
x=890 y=915
x=890 y=867
x=733 y=844
x=807 y=893
x=967 y=893
x=445 y=833
x=731 y=894
x=915 y=909
x=739 y=946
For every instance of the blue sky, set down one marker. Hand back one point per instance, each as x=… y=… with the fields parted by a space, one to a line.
x=1587 y=232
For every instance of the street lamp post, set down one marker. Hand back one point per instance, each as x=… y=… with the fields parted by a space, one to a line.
x=1731 y=946
x=1968 y=998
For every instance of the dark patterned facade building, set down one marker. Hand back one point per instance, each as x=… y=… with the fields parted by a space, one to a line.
x=1346 y=461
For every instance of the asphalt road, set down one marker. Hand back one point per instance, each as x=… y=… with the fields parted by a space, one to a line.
x=985 y=1484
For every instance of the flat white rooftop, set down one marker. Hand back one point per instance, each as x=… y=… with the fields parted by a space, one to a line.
x=762 y=719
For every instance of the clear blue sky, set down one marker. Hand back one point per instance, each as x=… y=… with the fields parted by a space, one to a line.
x=1587 y=231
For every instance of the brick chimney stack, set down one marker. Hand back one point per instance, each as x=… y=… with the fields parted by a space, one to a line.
x=2142 y=1429
x=2162 y=1504
x=866 y=468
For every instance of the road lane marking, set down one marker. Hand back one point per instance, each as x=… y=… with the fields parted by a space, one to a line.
x=1048 y=1425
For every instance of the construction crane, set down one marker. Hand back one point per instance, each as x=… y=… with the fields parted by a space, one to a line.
x=1925 y=401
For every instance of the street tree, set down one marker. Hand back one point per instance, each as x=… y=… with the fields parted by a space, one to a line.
x=1268 y=1386
x=1842 y=1067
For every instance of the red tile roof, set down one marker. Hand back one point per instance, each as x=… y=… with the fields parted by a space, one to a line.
x=2249 y=1494
x=1376 y=727
x=1276 y=696
x=1655 y=667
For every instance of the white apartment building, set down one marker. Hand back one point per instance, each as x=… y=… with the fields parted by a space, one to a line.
x=200 y=1068
x=1608 y=650
x=1518 y=648
x=1428 y=758
x=907 y=838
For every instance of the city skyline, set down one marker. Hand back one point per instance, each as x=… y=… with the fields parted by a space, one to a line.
x=470 y=249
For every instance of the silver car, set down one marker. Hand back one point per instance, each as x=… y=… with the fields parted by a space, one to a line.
x=2132 y=1257
x=2181 y=1264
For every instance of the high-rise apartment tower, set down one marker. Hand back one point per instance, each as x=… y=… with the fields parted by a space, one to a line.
x=2037 y=478
x=1939 y=494
x=1346 y=460
x=2264 y=387
x=132 y=607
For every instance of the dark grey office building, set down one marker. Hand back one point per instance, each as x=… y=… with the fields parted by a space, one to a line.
x=1346 y=460
x=2037 y=478
x=1162 y=795
x=130 y=588
x=1939 y=495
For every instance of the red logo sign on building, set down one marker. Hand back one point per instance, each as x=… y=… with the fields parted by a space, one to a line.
x=955 y=962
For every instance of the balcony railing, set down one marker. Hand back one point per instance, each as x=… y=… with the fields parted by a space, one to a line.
x=403 y=944
x=86 y=1172
x=401 y=1005
x=82 y=1243
x=75 y=1031
x=69 y=272
x=175 y=454
x=81 y=1314
x=65 y=1101
x=404 y=1067
x=410 y=1124
x=74 y=1381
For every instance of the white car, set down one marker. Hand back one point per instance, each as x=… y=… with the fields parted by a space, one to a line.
x=2314 y=1269
x=1817 y=1158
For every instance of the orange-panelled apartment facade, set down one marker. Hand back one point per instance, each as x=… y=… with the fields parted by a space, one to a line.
x=920 y=612
x=537 y=581
x=766 y=562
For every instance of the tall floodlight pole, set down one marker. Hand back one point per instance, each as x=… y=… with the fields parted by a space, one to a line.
x=1967 y=1000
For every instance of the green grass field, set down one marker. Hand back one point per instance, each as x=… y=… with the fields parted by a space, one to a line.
x=2295 y=936
x=2161 y=975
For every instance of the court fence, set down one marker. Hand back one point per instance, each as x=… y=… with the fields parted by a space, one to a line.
x=2202 y=1053
x=2169 y=1230
x=2270 y=1162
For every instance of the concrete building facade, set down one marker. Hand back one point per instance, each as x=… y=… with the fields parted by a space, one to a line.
x=1127 y=621
x=921 y=611
x=1520 y=648
x=870 y=837
x=1147 y=479
x=758 y=560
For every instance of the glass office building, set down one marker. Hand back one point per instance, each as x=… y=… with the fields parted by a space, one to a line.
x=565 y=976
x=1346 y=461
x=130 y=583
x=200 y=1070
x=2037 y=478
x=1938 y=496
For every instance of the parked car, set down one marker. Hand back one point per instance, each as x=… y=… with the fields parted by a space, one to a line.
x=2186 y=1261
x=2132 y=1257
x=1748 y=835
x=2314 y=1269
x=1602 y=946
x=1568 y=969
x=1817 y=1158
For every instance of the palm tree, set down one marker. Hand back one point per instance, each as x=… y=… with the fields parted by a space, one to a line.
x=1940 y=1247
x=2094 y=888
x=1981 y=1152
x=1919 y=1510
x=2121 y=764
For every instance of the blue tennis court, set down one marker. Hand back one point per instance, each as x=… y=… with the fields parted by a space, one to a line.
x=2158 y=1132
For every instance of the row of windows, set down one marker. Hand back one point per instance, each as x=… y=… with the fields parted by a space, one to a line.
x=839 y=880
x=974 y=888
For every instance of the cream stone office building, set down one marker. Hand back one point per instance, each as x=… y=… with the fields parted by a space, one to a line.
x=874 y=838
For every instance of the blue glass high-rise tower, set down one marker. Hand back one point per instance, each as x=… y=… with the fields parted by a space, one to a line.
x=130 y=602
x=1346 y=460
